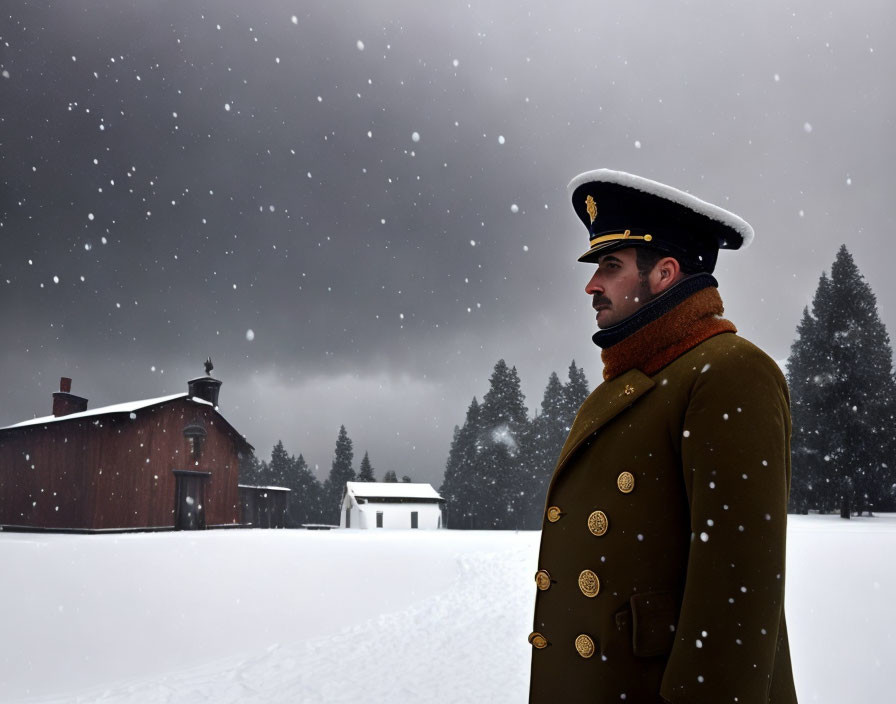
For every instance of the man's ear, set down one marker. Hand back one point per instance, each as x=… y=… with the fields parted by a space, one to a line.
x=665 y=273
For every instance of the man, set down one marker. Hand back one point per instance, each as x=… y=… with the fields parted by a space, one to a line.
x=661 y=569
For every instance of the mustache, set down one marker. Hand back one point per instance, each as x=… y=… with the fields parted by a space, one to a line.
x=600 y=301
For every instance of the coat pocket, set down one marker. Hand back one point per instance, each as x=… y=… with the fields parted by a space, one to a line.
x=654 y=616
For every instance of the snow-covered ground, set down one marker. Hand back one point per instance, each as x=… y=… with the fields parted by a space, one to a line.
x=346 y=616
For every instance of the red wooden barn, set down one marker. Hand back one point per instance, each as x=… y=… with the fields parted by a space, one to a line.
x=170 y=462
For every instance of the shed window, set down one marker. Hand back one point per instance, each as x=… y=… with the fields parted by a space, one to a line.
x=379 y=519
x=414 y=519
x=348 y=518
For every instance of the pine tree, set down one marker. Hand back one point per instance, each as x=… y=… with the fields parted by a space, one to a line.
x=280 y=466
x=406 y=479
x=843 y=394
x=549 y=431
x=575 y=391
x=365 y=472
x=504 y=404
x=250 y=469
x=341 y=472
x=863 y=360
x=390 y=477
x=809 y=373
x=264 y=478
x=499 y=463
x=460 y=487
x=504 y=424
x=304 y=500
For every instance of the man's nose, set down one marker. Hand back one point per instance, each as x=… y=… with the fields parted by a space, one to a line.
x=593 y=286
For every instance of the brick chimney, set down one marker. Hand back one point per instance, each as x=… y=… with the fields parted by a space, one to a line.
x=65 y=402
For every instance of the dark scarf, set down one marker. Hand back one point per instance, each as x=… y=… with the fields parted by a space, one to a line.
x=664 y=329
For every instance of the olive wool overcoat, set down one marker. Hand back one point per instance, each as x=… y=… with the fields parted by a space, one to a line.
x=661 y=567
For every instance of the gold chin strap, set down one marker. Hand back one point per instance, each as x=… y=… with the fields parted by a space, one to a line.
x=627 y=235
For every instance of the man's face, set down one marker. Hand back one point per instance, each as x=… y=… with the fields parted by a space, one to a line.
x=617 y=288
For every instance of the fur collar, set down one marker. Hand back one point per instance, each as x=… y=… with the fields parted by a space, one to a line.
x=663 y=340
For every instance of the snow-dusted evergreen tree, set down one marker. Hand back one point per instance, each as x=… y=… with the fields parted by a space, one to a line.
x=503 y=425
x=406 y=479
x=843 y=398
x=365 y=471
x=305 y=497
x=499 y=463
x=341 y=472
x=280 y=466
x=390 y=477
x=263 y=477
x=461 y=486
x=575 y=391
x=504 y=406
x=809 y=372
x=548 y=432
x=250 y=469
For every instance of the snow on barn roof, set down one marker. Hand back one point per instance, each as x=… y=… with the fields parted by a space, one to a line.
x=130 y=406
x=392 y=490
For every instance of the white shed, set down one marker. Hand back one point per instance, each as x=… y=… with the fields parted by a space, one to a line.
x=392 y=505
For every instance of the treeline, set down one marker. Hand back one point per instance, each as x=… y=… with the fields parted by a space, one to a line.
x=311 y=501
x=843 y=400
x=500 y=461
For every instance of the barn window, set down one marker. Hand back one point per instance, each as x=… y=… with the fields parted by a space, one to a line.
x=195 y=435
x=414 y=519
x=379 y=519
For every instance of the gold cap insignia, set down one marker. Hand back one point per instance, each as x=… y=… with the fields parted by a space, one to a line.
x=591 y=207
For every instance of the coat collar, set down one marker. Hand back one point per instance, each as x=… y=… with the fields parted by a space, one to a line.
x=605 y=403
x=659 y=342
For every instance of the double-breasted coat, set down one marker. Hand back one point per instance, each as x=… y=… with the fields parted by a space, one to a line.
x=661 y=567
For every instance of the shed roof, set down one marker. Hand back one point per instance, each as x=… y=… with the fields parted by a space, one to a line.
x=263 y=488
x=392 y=490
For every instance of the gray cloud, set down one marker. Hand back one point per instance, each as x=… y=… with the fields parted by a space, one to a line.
x=213 y=226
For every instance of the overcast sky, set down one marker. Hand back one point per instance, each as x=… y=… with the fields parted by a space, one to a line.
x=357 y=208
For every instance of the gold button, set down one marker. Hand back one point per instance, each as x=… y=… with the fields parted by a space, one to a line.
x=554 y=514
x=598 y=523
x=538 y=640
x=589 y=583
x=629 y=389
x=625 y=482
x=585 y=646
x=543 y=579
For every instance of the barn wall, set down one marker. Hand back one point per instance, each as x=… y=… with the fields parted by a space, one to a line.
x=43 y=476
x=115 y=471
x=135 y=484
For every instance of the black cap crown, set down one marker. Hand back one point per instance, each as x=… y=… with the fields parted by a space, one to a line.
x=622 y=210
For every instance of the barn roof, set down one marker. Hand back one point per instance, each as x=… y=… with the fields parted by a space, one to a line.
x=127 y=407
x=392 y=490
